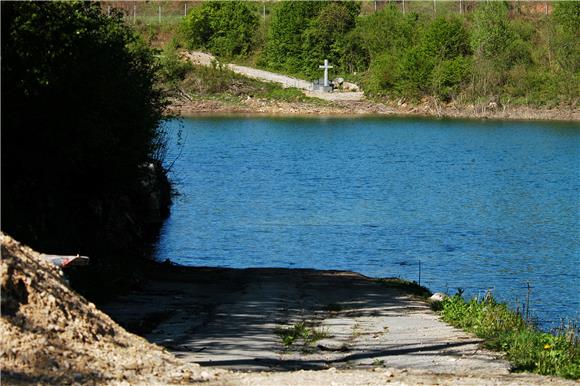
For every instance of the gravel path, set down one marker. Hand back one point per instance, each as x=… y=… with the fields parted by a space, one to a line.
x=204 y=59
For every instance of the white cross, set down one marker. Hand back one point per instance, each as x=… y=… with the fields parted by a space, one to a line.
x=326 y=67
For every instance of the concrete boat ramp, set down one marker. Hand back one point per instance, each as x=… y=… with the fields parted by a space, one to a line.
x=237 y=319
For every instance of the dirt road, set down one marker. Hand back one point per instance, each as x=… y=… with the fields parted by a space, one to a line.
x=204 y=59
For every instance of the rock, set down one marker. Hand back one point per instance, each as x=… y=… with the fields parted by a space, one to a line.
x=347 y=86
x=438 y=297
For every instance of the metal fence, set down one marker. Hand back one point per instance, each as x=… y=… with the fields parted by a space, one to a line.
x=168 y=12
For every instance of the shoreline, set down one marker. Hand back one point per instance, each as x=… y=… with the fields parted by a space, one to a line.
x=262 y=107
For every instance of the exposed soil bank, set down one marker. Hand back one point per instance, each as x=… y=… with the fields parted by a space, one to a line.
x=427 y=108
x=51 y=335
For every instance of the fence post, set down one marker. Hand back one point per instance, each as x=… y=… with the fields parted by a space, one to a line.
x=159 y=14
x=403 y=7
x=185 y=11
x=435 y=7
x=134 y=13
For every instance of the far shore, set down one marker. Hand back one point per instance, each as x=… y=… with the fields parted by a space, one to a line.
x=427 y=109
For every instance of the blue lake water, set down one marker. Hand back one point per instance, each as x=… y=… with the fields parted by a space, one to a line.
x=477 y=204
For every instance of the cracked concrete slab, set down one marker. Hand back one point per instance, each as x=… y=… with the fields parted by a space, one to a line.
x=232 y=319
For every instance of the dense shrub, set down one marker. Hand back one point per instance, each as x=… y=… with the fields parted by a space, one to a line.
x=302 y=34
x=388 y=30
x=225 y=28
x=80 y=116
x=325 y=37
x=173 y=68
x=448 y=77
x=489 y=52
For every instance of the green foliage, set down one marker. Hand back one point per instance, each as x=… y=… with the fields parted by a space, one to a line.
x=566 y=39
x=488 y=52
x=303 y=34
x=415 y=72
x=225 y=28
x=300 y=331
x=386 y=31
x=82 y=111
x=172 y=68
x=283 y=50
x=383 y=75
x=491 y=35
x=449 y=76
x=437 y=64
x=325 y=37
x=446 y=39
x=220 y=82
x=526 y=347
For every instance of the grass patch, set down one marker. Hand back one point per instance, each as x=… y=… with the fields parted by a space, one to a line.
x=407 y=286
x=527 y=348
x=220 y=82
x=378 y=363
x=301 y=333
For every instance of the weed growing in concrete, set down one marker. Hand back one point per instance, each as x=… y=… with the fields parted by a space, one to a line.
x=378 y=363
x=300 y=331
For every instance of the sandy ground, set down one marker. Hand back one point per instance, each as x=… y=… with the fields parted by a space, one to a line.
x=49 y=335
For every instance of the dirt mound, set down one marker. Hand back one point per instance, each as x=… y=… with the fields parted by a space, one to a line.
x=50 y=334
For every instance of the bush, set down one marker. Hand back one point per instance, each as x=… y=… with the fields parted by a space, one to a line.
x=415 y=72
x=446 y=39
x=81 y=112
x=382 y=76
x=491 y=35
x=225 y=28
x=527 y=348
x=449 y=76
x=325 y=37
x=173 y=68
x=387 y=31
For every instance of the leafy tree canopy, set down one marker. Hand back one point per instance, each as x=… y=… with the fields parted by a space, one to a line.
x=303 y=33
x=80 y=117
x=225 y=28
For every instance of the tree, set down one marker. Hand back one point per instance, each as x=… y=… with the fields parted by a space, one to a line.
x=284 y=48
x=566 y=42
x=325 y=37
x=387 y=31
x=491 y=34
x=225 y=28
x=80 y=118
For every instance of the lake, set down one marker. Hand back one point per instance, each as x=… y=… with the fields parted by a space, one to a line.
x=477 y=205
